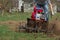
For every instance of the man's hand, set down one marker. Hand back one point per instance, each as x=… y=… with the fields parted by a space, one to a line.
x=52 y=13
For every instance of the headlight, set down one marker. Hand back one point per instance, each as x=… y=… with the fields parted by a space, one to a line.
x=38 y=16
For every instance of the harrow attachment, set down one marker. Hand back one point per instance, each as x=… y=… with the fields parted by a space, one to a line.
x=34 y=26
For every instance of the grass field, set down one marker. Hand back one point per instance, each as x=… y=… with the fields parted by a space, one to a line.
x=15 y=16
x=7 y=34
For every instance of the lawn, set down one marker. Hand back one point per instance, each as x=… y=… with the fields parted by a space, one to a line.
x=14 y=16
x=7 y=34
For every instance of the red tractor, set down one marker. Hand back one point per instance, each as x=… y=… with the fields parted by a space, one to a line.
x=37 y=21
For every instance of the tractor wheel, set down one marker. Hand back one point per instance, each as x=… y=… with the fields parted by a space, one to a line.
x=44 y=27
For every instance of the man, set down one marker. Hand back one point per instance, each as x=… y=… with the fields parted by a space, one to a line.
x=45 y=4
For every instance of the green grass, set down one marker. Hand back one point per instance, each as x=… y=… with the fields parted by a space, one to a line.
x=7 y=34
x=21 y=16
x=57 y=15
x=15 y=16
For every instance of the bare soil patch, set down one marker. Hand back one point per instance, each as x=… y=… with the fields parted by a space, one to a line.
x=54 y=26
x=57 y=27
x=13 y=25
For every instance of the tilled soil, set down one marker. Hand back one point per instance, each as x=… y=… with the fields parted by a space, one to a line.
x=13 y=25
x=54 y=26
x=57 y=27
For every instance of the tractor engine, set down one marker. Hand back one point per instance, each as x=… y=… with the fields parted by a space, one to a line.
x=38 y=14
